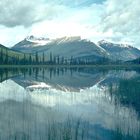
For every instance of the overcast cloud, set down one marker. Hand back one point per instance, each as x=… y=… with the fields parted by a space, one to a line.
x=114 y=20
x=122 y=17
x=27 y=12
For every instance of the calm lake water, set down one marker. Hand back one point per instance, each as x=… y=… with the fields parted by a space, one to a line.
x=69 y=104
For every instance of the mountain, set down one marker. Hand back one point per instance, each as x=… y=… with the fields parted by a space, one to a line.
x=67 y=47
x=9 y=51
x=30 y=43
x=122 y=52
x=77 y=48
x=9 y=56
x=135 y=61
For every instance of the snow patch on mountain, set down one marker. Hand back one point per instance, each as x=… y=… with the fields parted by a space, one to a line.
x=38 y=41
x=102 y=49
x=44 y=41
x=112 y=44
x=123 y=52
x=68 y=39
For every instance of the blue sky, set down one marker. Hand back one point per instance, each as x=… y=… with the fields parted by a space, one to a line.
x=113 y=20
x=77 y=3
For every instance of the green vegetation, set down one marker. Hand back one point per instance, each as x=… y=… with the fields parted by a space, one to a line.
x=10 y=57
x=124 y=93
x=136 y=61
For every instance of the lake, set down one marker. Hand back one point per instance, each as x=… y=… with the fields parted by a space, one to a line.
x=69 y=104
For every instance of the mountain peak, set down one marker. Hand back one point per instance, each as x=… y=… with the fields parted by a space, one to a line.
x=111 y=44
x=103 y=42
x=78 y=48
x=38 y=41
x=44 y=41
x=31 y=37
x=68 y=39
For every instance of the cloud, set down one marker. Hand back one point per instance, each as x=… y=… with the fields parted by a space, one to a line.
x=10 y=36
x=74 y=22
x=18 y=12
x=123 y=18
x=25 y=13
x=114 y=20
x=76 y=3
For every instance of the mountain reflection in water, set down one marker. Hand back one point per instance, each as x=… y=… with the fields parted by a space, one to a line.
x=69 y=104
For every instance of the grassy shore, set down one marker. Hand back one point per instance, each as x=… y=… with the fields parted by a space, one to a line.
x=70 y=66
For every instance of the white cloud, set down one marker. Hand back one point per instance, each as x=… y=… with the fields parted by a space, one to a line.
x=68 y=22
x=72 y=22
x=10 y=36
x=19 y=12
x=114 y=20
x=123 y=18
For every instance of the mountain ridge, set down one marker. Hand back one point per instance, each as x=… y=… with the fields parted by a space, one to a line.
x=66 y=47
x=76 y=47
x=120 y=51
x=10 y=57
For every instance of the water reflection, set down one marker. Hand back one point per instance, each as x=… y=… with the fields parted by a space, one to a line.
x=69 y=104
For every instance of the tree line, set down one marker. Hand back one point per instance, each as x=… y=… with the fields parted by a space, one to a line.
x=8 y=57
x=61 y=60
x=39 y=58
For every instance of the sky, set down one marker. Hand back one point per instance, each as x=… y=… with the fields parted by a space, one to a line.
x=112 y=20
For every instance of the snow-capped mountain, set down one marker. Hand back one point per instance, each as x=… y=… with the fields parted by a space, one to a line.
x=122 y=52
x=66 y=47
x=76 y=47
x=38 y=41
x=32 y=41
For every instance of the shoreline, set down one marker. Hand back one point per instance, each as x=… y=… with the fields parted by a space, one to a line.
x=70 y=66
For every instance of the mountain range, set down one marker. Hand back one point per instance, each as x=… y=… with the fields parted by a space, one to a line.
x=78 y=48
x=67 y=47
x=74 y=48
x=122 y=52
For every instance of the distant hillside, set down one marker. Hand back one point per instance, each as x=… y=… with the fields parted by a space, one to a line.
x=78 y=49
x=122 y=52
x=135 y=61
x=66 y=48
x=8 y=56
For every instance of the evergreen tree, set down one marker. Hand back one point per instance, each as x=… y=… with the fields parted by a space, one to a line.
x=43 y=58
x=71 y=60
x=62 y=60
x=58 y=60
x=36 y=58
x=54 y=60
x=30 y=59
x=6 y=57
x=51 y=59
x=24 y=59
x=1 y=56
